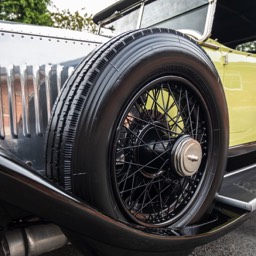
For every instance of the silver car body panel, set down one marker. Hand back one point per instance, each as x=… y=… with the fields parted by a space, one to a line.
x=35 y=62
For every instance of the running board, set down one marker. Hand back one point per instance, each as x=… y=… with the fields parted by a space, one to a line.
x=239 y=189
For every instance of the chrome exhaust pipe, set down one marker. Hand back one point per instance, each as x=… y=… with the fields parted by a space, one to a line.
x=33 y=240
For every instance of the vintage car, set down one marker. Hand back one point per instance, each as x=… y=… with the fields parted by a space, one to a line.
x=140 y=143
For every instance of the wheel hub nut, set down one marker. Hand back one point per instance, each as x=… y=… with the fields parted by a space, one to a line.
x=186 y=156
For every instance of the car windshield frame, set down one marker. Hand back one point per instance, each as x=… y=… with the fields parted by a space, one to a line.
x=133 y=15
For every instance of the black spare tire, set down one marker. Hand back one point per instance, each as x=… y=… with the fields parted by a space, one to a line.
x=140 y=130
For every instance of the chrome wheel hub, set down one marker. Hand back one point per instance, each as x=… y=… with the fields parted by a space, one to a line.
x=186 y=156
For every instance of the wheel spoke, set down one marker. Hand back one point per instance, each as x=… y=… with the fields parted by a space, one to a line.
x=146 y=165
x=145 y=144
x=157 y=126
x=172 y=119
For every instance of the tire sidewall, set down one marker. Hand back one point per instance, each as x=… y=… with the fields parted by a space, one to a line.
x=128 y=73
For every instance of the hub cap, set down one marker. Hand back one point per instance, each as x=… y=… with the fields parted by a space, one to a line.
x=186 y=156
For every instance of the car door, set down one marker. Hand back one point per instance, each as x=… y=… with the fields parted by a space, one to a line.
x=239 y=81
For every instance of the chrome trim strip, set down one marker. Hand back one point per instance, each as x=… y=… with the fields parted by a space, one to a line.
x=247 y=168
x=209 y=20
x=142 y=5
x=47 y=74
x=11 y=100
x=24 y=96
x=2 y=134
x=59 y=70
x=35 y=78
x=251 y=206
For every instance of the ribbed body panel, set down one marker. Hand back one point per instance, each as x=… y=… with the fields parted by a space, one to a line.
x=23 y=90
x=35 y=62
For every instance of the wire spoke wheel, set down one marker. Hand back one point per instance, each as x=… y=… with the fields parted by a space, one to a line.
x=140 y=130
x=161 y=150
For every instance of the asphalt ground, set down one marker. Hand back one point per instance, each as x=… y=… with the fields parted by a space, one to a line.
x=239 y=242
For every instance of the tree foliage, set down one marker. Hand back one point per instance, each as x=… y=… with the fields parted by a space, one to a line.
x=247 y=47
x=26 y=11
x=36 y=12
x=74 y=21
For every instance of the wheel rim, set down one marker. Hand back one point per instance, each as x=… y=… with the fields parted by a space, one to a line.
x=161 y=146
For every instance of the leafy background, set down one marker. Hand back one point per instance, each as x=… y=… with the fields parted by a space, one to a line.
x=36 y=12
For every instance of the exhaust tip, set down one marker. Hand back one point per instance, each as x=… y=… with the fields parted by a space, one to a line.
x=33 y=240
x=13 y=243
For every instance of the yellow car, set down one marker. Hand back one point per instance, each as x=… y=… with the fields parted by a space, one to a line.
x=129 y=154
